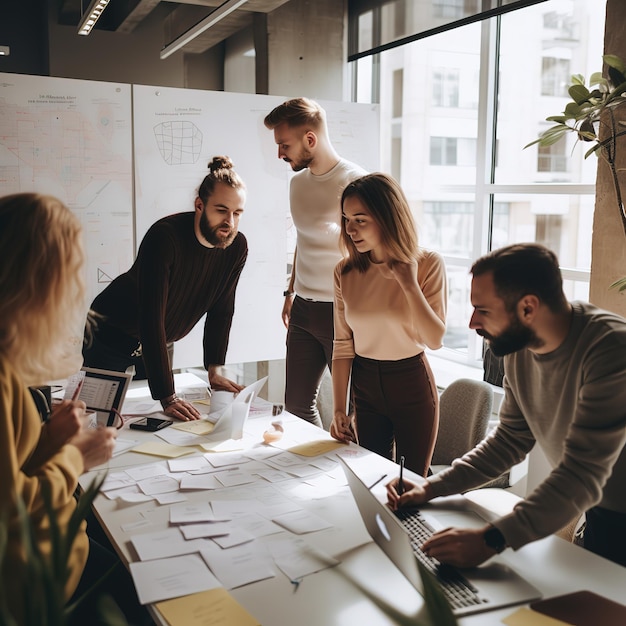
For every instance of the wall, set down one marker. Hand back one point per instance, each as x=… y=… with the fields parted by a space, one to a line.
x=307 y=49
x=116 y=57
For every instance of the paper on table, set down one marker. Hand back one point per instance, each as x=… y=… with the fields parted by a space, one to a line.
x=163 y=579
x=317 y=448
x=207 y=529
x=158 y=484
x=235 y=537
x=163 y=544
x=198 y=427
x=200 y=481
x=215 y=607
x=122 y=445
x=160 y=448
x=191 y=512
x=296 y=558
x=240 y=565
x=187 y=464
x=232 y=478
x=300 y=522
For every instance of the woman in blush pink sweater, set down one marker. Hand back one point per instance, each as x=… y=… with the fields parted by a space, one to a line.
x=390 y=304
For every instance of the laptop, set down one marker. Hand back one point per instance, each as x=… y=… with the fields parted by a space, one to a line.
x=103 y=391
x=485 y=588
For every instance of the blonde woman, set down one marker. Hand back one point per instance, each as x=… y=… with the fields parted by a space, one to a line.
x=390 y=304
x=41 y=310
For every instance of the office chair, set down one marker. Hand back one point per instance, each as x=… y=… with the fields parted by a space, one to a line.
x=465 y=407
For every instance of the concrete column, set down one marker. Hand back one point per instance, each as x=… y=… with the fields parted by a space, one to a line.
x=608 y=252
x=307 y=50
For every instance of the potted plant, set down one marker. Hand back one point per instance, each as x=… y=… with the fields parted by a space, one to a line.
x=43 y=596
x=591 y=116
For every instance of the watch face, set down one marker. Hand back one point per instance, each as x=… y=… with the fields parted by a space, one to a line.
x=494 y=539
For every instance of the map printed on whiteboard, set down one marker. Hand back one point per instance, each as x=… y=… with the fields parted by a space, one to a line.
x=73 y=139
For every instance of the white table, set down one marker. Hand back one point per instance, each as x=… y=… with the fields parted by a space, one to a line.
x=365 y=588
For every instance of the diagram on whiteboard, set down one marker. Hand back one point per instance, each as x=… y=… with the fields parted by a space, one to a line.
x=73 y=139
x=179 y=142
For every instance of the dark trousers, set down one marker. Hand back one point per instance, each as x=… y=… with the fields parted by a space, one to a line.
x=309 y=352
x=105 y=575
x=605 y=534
x=396 y=409
x=111 y=349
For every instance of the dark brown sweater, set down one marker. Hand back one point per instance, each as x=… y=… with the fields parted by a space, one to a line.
x=173 y=282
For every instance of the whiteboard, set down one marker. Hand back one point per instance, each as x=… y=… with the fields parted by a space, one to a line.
x=123 y=156
x=176 y=133
x=73 y=139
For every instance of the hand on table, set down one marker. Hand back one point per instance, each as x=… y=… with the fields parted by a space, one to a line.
x=182 y=410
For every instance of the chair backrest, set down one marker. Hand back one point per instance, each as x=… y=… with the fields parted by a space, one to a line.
x=465 y=407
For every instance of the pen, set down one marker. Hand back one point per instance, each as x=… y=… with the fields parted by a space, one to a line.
x=400 y=488
x=77 y=390
x=377 y=481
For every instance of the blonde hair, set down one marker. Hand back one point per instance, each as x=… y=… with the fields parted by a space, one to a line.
x=42 y=291
x=297 y=113
x=386 y=203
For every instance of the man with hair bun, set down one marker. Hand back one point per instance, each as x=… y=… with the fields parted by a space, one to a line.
x=188 y=264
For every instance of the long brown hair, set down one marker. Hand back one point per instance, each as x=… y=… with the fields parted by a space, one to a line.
x=386 y=203
x=42 y=291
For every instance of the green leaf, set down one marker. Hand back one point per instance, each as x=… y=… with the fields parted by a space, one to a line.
x=597 y=78
x=578 y=93
x=578 y=79
x=573 y=109
x=619 y=284
x=439 y=610
x=615 y=62
x=561 y=119
x=552 y=135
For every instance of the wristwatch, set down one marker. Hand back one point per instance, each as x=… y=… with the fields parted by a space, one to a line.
x=494 y=539
x=287 y=293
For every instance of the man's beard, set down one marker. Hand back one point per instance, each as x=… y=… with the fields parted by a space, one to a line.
x=514 y=338
x=304 y=160
x=214 y=237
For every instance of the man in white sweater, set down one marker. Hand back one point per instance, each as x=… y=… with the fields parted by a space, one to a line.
x=565 y=389
x=301 y=134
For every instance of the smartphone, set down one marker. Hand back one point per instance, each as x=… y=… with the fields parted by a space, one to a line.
x=150 y=423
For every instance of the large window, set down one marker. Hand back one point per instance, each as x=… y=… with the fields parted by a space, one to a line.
x=481 y=89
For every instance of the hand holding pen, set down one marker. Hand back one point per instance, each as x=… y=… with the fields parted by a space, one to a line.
x=403 y=492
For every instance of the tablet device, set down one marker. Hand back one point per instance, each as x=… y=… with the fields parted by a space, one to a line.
x=103 y=391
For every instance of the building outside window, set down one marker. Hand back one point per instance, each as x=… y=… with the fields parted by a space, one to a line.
x=468 y=93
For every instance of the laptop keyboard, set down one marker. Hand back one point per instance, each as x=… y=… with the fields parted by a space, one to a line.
x=458 y=590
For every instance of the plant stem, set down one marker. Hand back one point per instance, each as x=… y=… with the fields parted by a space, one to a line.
x=610 y=156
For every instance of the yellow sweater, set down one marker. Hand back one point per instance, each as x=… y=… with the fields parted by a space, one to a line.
x=20 y=429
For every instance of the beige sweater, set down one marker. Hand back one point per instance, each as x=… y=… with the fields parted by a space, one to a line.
x=372 y=314
x=315 y=203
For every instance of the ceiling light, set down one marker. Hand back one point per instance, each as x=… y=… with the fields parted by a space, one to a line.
x=212 y=18
x=91 y=15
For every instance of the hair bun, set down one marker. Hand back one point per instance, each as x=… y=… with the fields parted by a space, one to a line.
x=220 y=163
